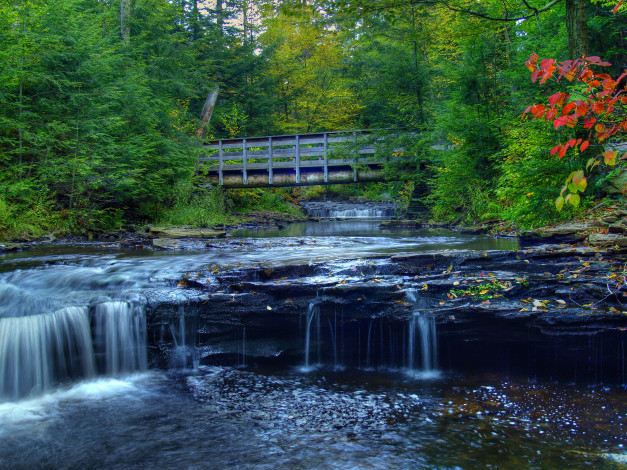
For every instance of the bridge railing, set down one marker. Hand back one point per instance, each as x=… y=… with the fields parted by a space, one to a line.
x=326 y=150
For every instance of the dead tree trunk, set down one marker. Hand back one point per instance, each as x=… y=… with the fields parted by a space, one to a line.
x=207 y=111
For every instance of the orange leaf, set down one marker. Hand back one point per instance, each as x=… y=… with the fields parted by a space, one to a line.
x=589 y=122
x=550 y=114
x=615 y=10
x=558 y=99
x=582 y=108
x=538 y=111
x=567 y=108
x=610 y=157
x=560 y=121
x=532 y=62
x=571 y=121
x=584 y=145
x=555 y=149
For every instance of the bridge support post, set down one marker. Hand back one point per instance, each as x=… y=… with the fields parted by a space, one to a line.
x=325 y=150
x=356 y=151
x=244 y=164
x=270 y=155
x=220 y=163
x=297 y=163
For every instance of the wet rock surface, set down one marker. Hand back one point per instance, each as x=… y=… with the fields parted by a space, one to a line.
x=8 y=247
x=490 y=307
x=548 y=285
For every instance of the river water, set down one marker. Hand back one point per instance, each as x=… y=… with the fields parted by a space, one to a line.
x=107 y=409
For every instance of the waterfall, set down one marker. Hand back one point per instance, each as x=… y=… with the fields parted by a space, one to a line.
x=244 y=347
x=312 y=312
x=120 y=337
x=423 y=328
x=42 y=350
x=344 y=210
x=185 y=352
x=37 y=351
x=422 y=337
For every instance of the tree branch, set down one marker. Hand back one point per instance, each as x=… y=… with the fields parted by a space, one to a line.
x=506 y=18
x=373 y=7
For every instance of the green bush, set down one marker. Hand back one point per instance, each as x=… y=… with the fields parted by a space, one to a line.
x=530 y=178
x=197 y=208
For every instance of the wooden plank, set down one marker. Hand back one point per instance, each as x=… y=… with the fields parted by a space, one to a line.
x=270 y=162
x=355 y=158
x=244 y=163
x=297 y=161
x=221 y=164
x=276 y=142
x=326 y=158
x=303 y=164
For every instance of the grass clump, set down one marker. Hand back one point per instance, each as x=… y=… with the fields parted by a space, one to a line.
x=197 y=208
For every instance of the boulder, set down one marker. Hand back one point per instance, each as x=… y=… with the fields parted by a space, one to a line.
x=607 y=239
x=176 y=232
x=567 y=233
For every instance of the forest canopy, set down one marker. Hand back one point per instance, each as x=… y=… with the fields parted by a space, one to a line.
x=101 y=100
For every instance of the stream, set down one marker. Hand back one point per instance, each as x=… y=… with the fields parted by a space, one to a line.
x=113 y=358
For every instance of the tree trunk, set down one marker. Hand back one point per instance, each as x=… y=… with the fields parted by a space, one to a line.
x=220 y=16
x=207 y=111
x=577 y=28
x=125 y=26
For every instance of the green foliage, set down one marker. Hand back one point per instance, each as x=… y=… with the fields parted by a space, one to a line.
x=267 y=199
x=529 y=176
x=96 y=131
x=197 y=208
x=494 y=288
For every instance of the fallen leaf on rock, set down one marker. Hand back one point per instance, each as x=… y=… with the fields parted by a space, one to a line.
x=456 y=283
x=269 y=308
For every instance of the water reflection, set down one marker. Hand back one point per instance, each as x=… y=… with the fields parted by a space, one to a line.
x=235 y=418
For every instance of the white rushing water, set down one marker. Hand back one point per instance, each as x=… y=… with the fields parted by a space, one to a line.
x=40 y=351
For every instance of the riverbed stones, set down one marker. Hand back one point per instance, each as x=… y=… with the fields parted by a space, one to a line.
x=7 y=247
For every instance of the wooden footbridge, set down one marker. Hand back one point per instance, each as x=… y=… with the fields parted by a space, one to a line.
x=298 y=160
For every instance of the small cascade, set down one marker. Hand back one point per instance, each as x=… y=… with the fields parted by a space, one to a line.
x=422 y=337
x=368 y=344
x=38 y=351
x=423 y=328
x=313 y=314
x=185 y=352
x=120 y=337
x=344 y=210
x=244 y=364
